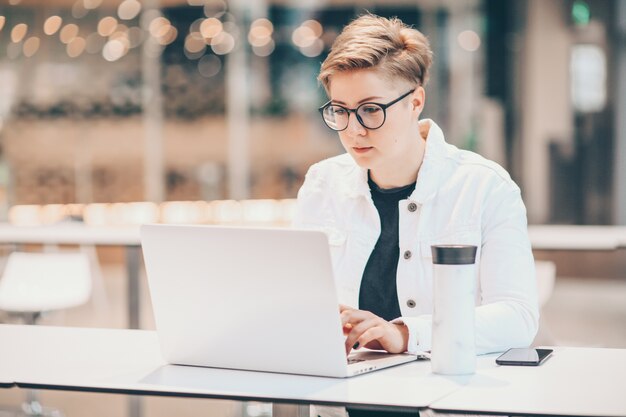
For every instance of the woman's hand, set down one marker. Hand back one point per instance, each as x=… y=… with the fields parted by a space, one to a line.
x=363 y=328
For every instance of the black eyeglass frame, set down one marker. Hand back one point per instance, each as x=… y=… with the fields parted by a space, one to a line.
x=355 y=111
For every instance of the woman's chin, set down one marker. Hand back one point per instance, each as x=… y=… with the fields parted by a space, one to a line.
x=362 y=160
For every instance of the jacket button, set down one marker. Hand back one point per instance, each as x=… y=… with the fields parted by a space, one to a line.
x=412 y=207
x=407 y=254
x=411 y=303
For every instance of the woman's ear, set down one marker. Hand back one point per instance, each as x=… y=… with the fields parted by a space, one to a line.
x=418 y=99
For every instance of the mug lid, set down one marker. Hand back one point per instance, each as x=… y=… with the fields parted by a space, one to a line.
x=454 y=254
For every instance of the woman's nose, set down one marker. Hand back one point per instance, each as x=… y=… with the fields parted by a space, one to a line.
x=354 y=126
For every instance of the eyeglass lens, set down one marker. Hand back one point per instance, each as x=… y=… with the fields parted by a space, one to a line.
x=370 y=115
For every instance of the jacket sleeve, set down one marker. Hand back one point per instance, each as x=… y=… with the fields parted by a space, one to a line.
x=308 y=208
x=508 y=313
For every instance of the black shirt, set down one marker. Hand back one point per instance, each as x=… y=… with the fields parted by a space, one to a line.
x=379 y=291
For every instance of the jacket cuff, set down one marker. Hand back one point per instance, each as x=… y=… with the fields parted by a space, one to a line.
x=420 y=332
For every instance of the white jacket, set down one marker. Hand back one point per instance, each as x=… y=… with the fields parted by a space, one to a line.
x=459 y=198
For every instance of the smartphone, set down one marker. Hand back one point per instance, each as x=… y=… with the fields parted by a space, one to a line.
x=523 y=356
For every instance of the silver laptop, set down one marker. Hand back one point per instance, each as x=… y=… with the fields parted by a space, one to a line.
x=250 y=298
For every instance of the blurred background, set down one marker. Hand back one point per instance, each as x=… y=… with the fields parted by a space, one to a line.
x=118 y=112
x=106 y=101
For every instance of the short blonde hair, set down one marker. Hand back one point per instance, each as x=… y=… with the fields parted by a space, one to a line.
x=388 y=45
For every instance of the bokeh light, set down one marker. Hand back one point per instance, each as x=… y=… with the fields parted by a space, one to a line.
x=107 y=26
x=122 y=28
x=114 y=50
x=128 y=9
x=19 y=32
x=214 y=7
x=52 y=25
x=76 y=47
x=262 y=28
x=69 y=32
x=315 y=26
x=260 y=32
x=91 y=4
x=170 y=35
x=303 y=36
x=31 y=46
x=162 y=30
x=264 y=50
x=314 y=49
x=209 y=66
x=78 y=10
x=159 y=27
x=210 y=27
x=121 y=37
x=307 y=37
x=194 y=46
x=469 y=40
x=223 y=43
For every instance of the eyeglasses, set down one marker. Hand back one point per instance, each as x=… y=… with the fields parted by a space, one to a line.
x=370 y=115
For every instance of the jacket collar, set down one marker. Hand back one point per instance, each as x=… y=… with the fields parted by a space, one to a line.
x=428 y=177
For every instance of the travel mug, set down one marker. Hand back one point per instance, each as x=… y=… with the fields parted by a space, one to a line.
x=454 y=286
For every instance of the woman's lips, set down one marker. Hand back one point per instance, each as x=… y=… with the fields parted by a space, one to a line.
x=362 y=149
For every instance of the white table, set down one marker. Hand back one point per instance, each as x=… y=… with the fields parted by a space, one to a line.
x=80 y=234
x=575 y=381
x=572 y=237
x=129 y=362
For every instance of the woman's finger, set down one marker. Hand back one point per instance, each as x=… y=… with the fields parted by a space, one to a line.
x=357 y=331
x=343 y=307
x=373 y=334
x=350 y=316
x=355 y=316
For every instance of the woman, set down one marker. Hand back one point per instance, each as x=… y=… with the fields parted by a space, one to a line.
x=399 y=189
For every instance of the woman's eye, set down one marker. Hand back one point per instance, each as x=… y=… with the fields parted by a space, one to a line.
x=339 y=111
x=370 y=109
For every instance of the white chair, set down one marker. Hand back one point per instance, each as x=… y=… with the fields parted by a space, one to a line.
x=35 y=283
x=98 y=290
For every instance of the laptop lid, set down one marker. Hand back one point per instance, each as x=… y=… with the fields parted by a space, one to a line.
x=245 y=298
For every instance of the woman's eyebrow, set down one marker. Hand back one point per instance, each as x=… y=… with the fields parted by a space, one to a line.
x=361 y=101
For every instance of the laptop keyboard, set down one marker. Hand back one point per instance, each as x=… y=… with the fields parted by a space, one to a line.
x=354 y=360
